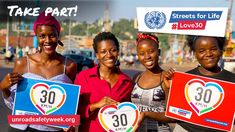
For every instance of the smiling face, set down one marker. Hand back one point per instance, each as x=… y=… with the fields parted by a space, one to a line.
x=207 y=52
x=107 y=53
x=147 y=51
x=47 y=38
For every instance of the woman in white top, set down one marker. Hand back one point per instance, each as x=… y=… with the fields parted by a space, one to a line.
x=151 y=86
x=46 y=64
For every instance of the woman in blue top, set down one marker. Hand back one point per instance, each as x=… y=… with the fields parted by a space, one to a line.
x=46 y=64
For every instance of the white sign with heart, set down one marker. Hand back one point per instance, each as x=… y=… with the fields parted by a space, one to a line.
x=203 y=97
x=47 y=99
x=121 y=118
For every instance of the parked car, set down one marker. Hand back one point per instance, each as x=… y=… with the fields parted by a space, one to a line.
x=88 y=52
x=229 y=64
x=82 y=51
x=83 y=62
x=2 y=51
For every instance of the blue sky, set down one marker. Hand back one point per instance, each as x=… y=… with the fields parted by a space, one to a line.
x=90 y=10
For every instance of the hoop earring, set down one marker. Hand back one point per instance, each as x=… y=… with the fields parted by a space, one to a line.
x=39 y=49
x=117 y=63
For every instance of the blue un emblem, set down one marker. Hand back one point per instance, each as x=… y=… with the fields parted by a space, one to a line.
x=155 y=19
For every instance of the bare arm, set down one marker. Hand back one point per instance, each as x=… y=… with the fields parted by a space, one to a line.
x=12 y=78
x=71 y=69
x=167 y=76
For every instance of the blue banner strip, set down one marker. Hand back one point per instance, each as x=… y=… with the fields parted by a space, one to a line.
x=194 y=15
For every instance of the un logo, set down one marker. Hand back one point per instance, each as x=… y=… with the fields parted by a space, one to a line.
x=155 y=19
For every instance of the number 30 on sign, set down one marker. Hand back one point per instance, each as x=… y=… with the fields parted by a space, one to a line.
x=121 y=118
x=199 y=95
x=47 y=99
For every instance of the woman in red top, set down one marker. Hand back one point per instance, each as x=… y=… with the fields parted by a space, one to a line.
x=102 y=85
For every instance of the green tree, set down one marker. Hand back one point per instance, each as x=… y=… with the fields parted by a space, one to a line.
x=80 y=29
x=163 y=39
x=3 y=25
x=124 y=29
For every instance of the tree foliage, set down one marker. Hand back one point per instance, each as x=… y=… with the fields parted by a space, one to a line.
x=124 y=29
x=3 y=25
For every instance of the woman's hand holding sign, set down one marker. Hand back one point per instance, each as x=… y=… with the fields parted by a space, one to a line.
x=140 y=121
x=167 y=79
x=9 y=80
x=103 y=102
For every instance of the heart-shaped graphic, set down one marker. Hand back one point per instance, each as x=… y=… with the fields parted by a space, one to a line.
x=203 y=97
x=47 y=99
x=120 y=118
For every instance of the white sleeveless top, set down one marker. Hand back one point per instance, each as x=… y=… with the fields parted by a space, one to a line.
x=151 y=100
x=63 y=78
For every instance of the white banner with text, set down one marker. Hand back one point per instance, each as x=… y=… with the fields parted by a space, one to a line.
x=207 y=21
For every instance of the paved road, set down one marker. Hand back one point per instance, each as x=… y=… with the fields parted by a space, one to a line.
x=4 y=111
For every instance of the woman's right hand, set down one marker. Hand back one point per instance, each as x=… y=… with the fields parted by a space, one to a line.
x=140 y=121
x=103 y=102
x=167 y=79
x=9 y=80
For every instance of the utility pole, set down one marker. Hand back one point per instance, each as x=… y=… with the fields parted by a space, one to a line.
x=229 y=23
x=106 y=23
x=229 y=46
x=230 y=9
x=7 y=34
x=18 y=33
x=69 y=34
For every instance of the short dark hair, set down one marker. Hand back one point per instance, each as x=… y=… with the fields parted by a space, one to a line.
x=191 y=41
x=104 y=36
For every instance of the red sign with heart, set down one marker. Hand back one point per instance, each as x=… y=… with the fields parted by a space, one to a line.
x=201 y=101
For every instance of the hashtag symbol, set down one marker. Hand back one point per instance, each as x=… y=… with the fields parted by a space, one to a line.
x=174 y=26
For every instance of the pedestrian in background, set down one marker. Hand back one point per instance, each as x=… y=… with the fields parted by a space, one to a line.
x=20 y=53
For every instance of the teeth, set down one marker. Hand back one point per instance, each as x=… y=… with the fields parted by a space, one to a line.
x=209 y=59
x=149 y=63
x=48 y=46
x=110 y=60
